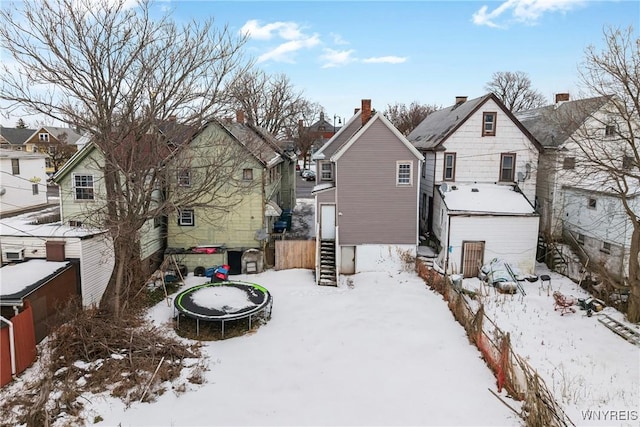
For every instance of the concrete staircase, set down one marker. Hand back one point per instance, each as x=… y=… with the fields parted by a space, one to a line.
x=328 y=275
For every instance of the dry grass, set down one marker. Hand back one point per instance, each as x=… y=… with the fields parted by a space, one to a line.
x=93 y=352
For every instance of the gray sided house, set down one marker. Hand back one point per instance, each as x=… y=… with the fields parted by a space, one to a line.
x=366 y=196
x=476 y=150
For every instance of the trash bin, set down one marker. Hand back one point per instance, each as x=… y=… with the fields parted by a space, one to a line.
x=286 y=216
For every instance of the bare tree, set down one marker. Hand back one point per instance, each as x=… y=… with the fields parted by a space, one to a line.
x=303 y=136
x=268 y=101
x=121 y=76
x=515 y=91
x=58 y=151
x=407 y=118
x=609 y=152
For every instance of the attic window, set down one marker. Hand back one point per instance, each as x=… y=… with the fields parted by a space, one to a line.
x=627 y=162
x=43 y=137
x=609 y=130
x=489 y=124
x=569 y=163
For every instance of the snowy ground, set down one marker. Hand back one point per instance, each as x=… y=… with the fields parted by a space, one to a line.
x=589 y=369
x=382 y=349
x=379 y=350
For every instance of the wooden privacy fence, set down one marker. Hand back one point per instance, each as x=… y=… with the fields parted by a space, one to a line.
x=295 y=254
x=23 y=345
x=512 y=372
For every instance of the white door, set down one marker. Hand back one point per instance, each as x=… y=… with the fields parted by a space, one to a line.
x=328 y=222
x=347 y=260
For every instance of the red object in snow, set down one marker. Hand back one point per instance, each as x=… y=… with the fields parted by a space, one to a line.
x=204 y=250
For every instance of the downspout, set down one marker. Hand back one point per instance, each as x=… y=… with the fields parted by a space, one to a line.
x=264 y=217
x=446 y=263
x=12 y=346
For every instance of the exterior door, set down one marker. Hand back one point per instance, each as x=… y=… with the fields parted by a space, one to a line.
x=328 y=222
x=347 y=259
x=472 y=257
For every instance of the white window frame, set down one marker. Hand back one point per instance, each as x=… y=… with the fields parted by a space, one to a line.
x=43 y=137
x=326 y=175
x=451 y=156
x=183 y=177
x=81 y=187
x=401 y=179
x=247 y=174
x=492 y=123
x=186 y=217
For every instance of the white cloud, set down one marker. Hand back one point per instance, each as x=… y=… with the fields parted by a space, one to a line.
x=283 y=52
x=337 y=39
x=385 y=60
x=285 y=30
x=523 y=11
x=336 y=58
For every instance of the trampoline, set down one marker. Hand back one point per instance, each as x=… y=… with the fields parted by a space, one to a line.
x=222 y=302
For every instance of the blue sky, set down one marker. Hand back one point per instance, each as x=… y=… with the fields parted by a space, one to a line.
x=340 y=52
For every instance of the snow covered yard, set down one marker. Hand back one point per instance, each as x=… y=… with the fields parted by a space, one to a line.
x=589 y=369
x=379 y=350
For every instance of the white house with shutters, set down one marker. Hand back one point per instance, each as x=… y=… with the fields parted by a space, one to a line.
x=478 y=186
x=23 y=181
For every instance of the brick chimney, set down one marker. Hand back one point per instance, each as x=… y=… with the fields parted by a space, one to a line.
x=366 y=111
x=461 y=99
x=240 y=116
x=561 y=97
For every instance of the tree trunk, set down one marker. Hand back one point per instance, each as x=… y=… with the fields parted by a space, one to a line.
x=633 y=310
x=126 y=276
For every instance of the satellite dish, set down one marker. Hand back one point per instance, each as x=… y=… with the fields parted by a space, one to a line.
x=2 y=191
x=444 y=187
x=520 y=177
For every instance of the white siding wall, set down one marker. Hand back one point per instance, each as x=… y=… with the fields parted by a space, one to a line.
x=382 y=257
x=35 y=247
x=478 y=157
x=513 y=239
x=96 y=265
x=18 y=188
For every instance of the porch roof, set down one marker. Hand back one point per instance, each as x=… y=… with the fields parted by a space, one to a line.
x=485 y=199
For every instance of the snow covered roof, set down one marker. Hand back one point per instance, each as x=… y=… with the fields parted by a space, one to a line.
x=486 y=199
x=19 y=280
x=24 y=226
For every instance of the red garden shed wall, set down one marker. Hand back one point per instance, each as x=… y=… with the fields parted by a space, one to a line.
x=25 y=344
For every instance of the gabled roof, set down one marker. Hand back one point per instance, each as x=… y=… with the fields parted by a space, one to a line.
x=381 y=118
x=254 y=141
x=438 y=126
x=553 y=125
x=341 y=137
x=72 y=135
x=15 y=136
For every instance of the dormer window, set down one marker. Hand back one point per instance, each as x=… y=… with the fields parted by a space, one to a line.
x=489 y=124
x=43 y=137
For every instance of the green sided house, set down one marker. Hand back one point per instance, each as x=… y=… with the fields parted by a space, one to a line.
x=236 y=226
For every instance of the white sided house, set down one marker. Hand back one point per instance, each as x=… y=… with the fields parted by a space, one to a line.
x=596 y=221
x=22 y=239
x=23 y=181
x=366 y=197
x=478 y=145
